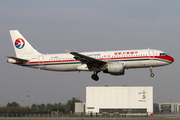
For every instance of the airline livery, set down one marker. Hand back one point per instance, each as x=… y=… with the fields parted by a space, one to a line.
x=111 y=62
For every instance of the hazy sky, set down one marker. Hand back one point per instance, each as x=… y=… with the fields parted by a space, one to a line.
x=52 y=26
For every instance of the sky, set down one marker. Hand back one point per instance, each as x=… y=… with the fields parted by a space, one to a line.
x=53 y=26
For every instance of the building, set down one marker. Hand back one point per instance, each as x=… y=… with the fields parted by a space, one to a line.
x=166 y=107
x=79 y=107
x=117 y=100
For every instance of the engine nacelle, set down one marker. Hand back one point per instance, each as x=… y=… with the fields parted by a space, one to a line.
x=115 y=68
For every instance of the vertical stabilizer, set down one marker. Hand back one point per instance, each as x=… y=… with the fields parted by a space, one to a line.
x=21 y=45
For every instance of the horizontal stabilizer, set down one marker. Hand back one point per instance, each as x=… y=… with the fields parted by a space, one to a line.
x=19 y=59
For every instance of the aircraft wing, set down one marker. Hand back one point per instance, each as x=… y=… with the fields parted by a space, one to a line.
x=90 y=61
x=85 y=59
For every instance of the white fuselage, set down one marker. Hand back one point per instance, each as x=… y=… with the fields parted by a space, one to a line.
x=130 y=58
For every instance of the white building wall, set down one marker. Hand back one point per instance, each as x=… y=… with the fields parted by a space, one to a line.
x=119 y=98
x=79 y=107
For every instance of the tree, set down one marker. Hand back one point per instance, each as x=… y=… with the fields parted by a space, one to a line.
x=34 y=106
x=71 y=104
x=63 y=108
x=13 y=104
x=42 y=107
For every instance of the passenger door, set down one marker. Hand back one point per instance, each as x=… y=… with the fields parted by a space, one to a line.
x=41 y=60
x=151 y=54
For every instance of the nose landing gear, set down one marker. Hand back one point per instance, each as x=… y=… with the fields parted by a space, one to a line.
x=95 y=76
x=152 y=74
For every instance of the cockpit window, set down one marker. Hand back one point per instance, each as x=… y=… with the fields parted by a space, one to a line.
x=163 y=54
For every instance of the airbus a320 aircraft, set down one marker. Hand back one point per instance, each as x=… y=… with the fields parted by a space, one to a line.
x=111 y=62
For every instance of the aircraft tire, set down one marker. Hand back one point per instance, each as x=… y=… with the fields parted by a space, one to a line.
x=152 y=74
x=95 y=77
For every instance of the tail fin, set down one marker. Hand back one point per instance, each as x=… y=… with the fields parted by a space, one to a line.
x=21 y=45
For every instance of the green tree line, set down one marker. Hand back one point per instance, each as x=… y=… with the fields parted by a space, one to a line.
x=14 y=107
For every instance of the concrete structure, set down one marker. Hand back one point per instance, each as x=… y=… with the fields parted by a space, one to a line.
x=79 y=107
x=166 y=107
x=116 y=100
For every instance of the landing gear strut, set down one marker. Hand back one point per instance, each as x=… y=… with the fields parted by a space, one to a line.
x=152 y=74
x=95 y=76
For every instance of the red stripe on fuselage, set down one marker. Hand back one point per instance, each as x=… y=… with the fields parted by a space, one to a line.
x=50 y=61
x=167 y=58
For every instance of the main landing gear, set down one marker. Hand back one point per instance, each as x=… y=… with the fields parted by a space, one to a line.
x=95 y=76
x=152 y=74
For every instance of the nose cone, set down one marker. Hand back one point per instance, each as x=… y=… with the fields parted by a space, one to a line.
x=171 y=59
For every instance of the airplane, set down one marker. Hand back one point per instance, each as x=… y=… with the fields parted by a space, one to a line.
x=110 y=62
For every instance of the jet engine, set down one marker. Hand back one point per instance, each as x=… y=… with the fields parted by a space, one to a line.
x=115 y=68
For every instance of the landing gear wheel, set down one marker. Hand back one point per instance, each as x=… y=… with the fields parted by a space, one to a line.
x=152 y=74
x=95 y=77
